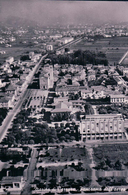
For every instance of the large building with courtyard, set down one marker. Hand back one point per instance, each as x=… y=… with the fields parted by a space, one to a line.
x=102 y=126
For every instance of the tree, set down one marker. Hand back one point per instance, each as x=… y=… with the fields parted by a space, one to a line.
x=102 y=111
x=10 y=139
x=118 y=165
x=72 y=138
x=88 y=109
x=67 y=136
x=60 y=116
x=67 y=49
x=31 y=141
x=69 y=82
x=62 y=138
x=24 y=58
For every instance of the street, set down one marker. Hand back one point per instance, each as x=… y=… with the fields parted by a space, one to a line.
x=10 y=116
x=30 y=172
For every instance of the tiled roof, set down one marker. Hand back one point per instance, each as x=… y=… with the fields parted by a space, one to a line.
x=60 y=110
x=11 y=88
x=100 y=116
x=10 y=180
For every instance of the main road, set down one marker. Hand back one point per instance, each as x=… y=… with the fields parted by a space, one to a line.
x=30 y=172
x=25 y=93
x=70 y=43
x=123 y=57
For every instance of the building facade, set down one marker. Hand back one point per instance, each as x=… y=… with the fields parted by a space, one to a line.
x=102 y=126
x=46 y=80
x=117 y=98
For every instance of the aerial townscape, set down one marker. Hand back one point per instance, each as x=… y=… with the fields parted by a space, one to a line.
x=63 y=98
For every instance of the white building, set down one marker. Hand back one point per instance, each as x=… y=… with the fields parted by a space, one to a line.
x=102 y=126
x=10 y=60
x=66 y=40
x=49 y=47
x=117 y=98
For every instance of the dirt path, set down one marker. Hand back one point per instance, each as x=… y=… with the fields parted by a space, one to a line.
x=92 y=165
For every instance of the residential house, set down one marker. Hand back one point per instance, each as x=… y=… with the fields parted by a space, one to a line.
x=65 y=90
x=6 y=102
x=85 y=93
x=12 y=184
x=91 y=75
x=11 y=89
x=10 y=60
x=78 y=104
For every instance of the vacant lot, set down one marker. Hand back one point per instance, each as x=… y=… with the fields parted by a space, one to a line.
x=64 y=154
x=113 y=152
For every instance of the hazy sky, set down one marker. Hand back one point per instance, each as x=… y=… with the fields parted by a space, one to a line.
x=48 y=12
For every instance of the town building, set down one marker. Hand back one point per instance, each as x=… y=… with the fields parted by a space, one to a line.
x=49 y=47
x=31 y=54
x=86 y=93
x=46 y=78
x=78 y=104
x=65 y=90
x=112 y=173
x=56 y=36
x=66 y=40
x=117 y=98
x=11 y=89
x=62 y=107
x=6 y=102
x=10 y=60
x=12 y=184
x=91 y=75
x=119 y=80
x=102 y=126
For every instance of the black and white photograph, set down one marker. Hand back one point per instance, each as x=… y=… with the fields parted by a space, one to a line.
x=63 y=97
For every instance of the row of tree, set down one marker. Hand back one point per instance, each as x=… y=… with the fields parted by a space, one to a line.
x=80 y=57
x=3 y=113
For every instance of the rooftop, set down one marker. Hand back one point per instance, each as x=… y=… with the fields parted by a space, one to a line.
x=117 y=95
x=11 y=88
x=10 y=180
x=103 y=116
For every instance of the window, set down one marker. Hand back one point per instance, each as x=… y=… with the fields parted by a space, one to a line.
x=16 y=185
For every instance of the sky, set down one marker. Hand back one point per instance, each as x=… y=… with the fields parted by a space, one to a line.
x=49 y=12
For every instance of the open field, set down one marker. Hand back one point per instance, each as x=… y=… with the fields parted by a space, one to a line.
x=17 y=51
x=65 y=154
x=112 y=152
x=114 y=47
